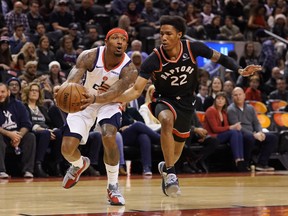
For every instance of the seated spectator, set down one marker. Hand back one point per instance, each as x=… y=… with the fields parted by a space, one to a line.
x=75 y=34
x=56 y=76
x=281 y=91
x=216 y=124
x=61 y=17
x=252 y=92
x=136 y=45
x=84 y=14
x=228 y=87
x=6 y=61
x=17 y=17
x=91 y=38
x=136 y=58
x=44 y=54
x=150 y=120
x=215 y=86
x=197 y=162
x=66 y=55
x=213 y=29
x=150 y=14
x=207 y=14
x=229 y=31
x=135 y=132
x=47 y=137
x=30 y=72
x=270 y=84
x=18 y=39
x=202 y=94
x=26 y=54
x=14 y=133
x=174 y=9
x=135 y=17
x=34 y=16
x=251 y=129
x=46 y=9
x=14 y=86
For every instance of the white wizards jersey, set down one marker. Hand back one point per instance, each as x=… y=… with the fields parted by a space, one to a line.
x=100 y=79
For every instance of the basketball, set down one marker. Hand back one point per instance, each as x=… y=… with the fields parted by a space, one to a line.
x=69 y=97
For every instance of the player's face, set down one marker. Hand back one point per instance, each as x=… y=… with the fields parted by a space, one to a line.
x=117 y=44
x=169 y=37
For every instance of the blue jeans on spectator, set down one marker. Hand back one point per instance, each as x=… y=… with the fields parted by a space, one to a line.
x=140 y=134
x=235 y=140
x=266 y=147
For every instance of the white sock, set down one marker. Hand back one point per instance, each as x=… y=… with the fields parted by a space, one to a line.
x=78 y=163
x=112 y=174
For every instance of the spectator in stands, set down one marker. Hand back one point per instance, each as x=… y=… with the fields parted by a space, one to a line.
x=66 y=55
x=283 y=5
x=251 y=129
x=228 y=87
x=135 y=132
x=135 y=17
x=26 y=54
x=216 y=124
x=136 y=45
x=18 y=39
x=215 y=86
x=202 y=94
x=44 y=54
x=14 y=132
x=30 y=72
x=257 y=20
x=136 y=58
x=17 y=17
x=281 y=91
x=213 y=29
x=150 y=14
x=207 y=14
x=92 y=39
x=252 y=92
x=204 y=77
x=199 y=135
x=34 y=16
x=194 y=22
x=173 y=9
x=14 y=86
x=270 y=6
x=235 y=10
x=229 y=31
x=75 y=35
x=46 y=136
x=118 y=7
x=270 y=85
x=145 y=112
x=61 y=18
x=56 y=76
x=46 y=9
x=84 y=14
x=6 y=62
x=125 y=23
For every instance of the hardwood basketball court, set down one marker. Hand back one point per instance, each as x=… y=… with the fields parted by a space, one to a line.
x=261 y=194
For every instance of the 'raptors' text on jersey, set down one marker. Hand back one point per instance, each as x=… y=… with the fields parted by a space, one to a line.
x=100 y=79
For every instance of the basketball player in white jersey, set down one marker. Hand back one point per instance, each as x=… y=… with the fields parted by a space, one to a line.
x=106 y=70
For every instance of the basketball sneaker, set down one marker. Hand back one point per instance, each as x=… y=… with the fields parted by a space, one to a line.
x=170 y=184
x=73 y=173
x=114 y=196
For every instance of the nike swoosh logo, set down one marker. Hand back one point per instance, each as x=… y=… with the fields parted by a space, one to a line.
x=185 y=59
x=163 y=65
x=193 y=103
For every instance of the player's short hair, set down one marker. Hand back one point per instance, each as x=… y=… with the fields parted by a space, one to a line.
x=176 y=21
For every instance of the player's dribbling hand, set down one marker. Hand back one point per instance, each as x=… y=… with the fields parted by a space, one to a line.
x=89 y=99
x=250 y=70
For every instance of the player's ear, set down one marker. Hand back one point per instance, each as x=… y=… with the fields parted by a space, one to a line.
x=179 y=34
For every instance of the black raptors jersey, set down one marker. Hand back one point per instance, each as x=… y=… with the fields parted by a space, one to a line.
x=177 y=79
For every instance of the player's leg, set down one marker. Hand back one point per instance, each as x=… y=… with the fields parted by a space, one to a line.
x=76 y=131
x=109 y=129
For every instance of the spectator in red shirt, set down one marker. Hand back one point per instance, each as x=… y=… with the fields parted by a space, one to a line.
x=252 y=92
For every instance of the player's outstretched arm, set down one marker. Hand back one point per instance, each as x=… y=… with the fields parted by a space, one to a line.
x=127 y=77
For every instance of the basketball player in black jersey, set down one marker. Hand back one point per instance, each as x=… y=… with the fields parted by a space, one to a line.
x=173 y=70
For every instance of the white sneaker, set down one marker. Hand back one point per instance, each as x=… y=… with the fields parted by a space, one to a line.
x=28 y=174
x=4 y=175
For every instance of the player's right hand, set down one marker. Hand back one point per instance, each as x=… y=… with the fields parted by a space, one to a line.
x=89 y=99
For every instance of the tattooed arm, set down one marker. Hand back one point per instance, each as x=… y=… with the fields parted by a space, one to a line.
x=127 y=77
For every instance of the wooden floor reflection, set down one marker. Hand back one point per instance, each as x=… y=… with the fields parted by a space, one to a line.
x=260 y=194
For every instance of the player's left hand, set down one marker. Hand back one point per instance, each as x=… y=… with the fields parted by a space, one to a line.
x=89 y=99
x=250 y=70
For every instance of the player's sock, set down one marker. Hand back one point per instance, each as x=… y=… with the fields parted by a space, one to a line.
x=170 y=170
x=78 y=163
x=112 y=174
